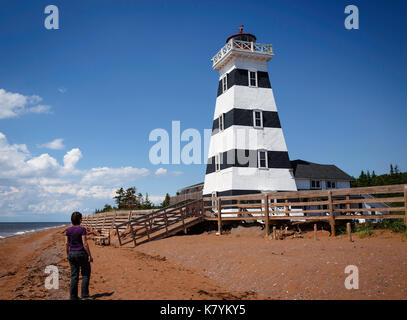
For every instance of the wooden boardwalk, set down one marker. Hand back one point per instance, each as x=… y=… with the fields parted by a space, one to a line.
x=161 y=223
x=331 y=206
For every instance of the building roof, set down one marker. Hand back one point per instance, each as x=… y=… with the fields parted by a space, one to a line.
x=192 y=186
x=309 y=170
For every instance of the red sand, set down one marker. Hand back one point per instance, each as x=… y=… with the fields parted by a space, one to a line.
x=234 y=266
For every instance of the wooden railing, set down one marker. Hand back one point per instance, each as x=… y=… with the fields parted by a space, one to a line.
x=323 y=205
x=239 y=45
x=160 y=223
x=105 y=221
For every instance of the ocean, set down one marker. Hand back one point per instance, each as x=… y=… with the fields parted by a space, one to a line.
x=8 y=229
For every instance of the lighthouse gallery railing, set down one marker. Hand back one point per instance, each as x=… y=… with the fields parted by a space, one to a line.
x=242 y=46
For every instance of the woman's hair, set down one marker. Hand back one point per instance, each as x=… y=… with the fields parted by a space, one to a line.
x=76 y=218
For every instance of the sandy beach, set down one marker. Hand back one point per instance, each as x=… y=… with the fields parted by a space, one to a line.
x=240 y=265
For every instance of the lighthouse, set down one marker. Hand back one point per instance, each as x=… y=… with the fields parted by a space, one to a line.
x=247 y=151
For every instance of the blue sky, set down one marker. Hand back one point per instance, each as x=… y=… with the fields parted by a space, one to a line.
x=116 y=70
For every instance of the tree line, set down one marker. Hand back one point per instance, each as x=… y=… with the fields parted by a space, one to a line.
x=367 y=179
x=129 y=199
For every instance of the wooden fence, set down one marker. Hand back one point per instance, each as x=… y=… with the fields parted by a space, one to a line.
x=313 y=205
x=331 y=206
x=108 y=220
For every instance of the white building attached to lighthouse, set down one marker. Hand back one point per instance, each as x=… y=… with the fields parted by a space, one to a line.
x=247 y=152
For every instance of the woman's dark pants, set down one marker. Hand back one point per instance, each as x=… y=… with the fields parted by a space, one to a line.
x=79 y=260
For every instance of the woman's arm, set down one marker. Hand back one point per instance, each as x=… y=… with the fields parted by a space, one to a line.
x=86 y=246
x=66 y=245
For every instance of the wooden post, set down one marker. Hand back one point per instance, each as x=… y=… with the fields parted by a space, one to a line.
x=347 y=206
x=132 y=234
x=266 y=212
x=166 y=222
x=114 y=219
x=286 y=208
x=315 y=231
x=331 y=214
x=104 y=221
x=118 y=236
x=349 y=230
x=274 y=233
x=148 y=230
x=183 y=218
x=405 y=205
x=219 y=216
x=238 y=207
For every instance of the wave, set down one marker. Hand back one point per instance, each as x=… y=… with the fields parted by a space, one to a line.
x=6 y=234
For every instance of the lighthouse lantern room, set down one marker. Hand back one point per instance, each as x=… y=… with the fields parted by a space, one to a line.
x=247 y=151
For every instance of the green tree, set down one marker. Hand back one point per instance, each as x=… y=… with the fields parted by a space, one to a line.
x=166 y=201
x=120 y=198
x=107 y=208
x=130 y=198
x=147 y=204
x=394 y=177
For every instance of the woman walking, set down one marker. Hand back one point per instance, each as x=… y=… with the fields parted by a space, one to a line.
x=79 y=256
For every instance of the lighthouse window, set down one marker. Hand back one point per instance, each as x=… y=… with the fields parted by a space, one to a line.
x=217 y=162
x=252 y=78
x=225 y=83
x=257 y=119
x=221 y=122
x=262 y=159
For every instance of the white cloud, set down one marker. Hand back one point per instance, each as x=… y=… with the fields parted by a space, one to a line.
x=39 y=109
x=114 y=176
x=40 y=184
x=56 y=144
x=156 y=199
x=15 y=104
x=161 y=172
x=71 y=158
x=62 y=90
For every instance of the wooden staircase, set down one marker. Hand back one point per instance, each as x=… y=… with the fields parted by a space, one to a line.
x=161 y=223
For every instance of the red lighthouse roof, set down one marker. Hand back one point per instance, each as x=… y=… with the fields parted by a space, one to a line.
x=242 y=36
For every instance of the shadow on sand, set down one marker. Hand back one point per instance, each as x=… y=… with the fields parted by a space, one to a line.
x=100 y=295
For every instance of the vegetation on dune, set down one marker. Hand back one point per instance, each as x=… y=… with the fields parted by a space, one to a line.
x=367 y=229
x=367 y=179
x=129 y=199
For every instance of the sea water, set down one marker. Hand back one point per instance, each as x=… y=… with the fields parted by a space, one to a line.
x=8 y=229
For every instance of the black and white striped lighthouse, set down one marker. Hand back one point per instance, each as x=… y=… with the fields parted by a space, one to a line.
x=247 y=151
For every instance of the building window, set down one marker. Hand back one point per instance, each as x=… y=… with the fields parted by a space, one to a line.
x=257 y=118
x=217 y=162
x=262 y=159
x=315 y=184
x=222 y=122
x=224 y=83
x=330 y=184
x=252 y=78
